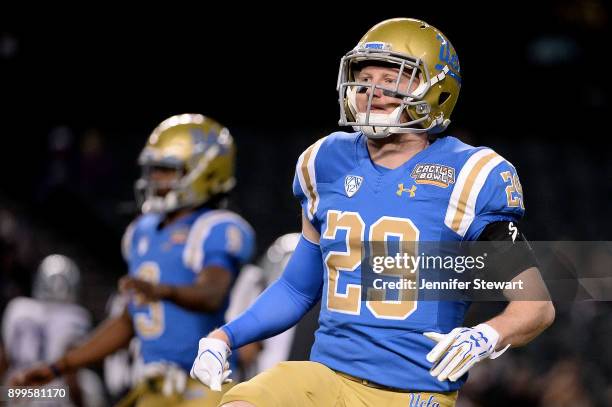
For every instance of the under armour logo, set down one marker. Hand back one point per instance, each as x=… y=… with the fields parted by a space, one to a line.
x=482 y=337
x=401 y=190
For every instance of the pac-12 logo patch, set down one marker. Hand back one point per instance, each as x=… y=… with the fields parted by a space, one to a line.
x=352 y=184
x=434 y=174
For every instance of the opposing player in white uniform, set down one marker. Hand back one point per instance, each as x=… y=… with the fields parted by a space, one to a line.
x=40 y=329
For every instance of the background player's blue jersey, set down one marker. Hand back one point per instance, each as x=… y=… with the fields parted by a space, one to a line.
x=447 y=192
x=174 y=255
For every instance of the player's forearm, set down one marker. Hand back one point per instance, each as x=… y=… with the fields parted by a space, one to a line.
x=206 y=294
x=110 y=336
x=285 y=302
x=221 y=335
x=522 y=321
x=276 y=310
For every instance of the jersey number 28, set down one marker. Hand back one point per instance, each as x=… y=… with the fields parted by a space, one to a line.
x=348 y=260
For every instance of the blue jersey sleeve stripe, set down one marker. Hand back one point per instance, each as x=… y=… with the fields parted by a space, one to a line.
x=193 y=255
x=461 y=209
x=306 y=173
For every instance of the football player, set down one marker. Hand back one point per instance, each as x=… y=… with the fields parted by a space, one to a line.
x=40 y=329
x=395 y=178
x=183 y=254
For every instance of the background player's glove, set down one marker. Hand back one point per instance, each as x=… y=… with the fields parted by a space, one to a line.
x=35 y=376
x=141 y=290
x=174 y=377
x=211 y=366
x=460 y=349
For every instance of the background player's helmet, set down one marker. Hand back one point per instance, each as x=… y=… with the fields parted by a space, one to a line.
x=57 y=279
x=418 y=49
x=200 y=149
x=277 y=256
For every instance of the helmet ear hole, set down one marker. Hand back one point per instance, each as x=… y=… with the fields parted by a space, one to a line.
x=443 y=98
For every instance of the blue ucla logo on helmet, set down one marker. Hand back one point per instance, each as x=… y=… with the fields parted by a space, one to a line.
x=448 y=56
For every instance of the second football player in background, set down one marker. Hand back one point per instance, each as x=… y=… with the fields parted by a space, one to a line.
x=183 y=254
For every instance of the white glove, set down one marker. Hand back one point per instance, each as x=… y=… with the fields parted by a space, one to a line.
x=211 y=366
x=460 y=349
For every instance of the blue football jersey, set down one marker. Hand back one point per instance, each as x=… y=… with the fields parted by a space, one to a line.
x=174 y=255
x=447 y=192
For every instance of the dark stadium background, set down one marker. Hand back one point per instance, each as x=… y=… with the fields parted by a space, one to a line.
x=80 y=95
